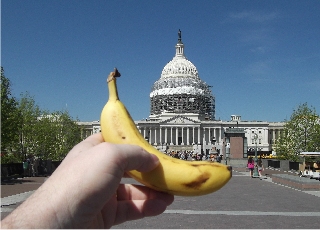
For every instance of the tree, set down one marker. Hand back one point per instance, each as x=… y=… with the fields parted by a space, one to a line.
x=57 y=134
x=300 y=134
x=68 y=133
x=28 y=125
x=26 y=130
x=43 y=134
x=9 y=119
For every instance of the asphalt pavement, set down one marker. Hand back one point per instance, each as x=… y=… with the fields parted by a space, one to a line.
x=244 y=202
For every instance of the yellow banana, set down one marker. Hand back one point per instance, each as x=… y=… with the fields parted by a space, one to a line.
x=174 y=176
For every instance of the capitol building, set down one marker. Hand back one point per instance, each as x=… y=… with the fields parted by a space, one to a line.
x=182 y=117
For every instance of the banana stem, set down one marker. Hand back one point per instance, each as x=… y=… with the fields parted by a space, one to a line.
x=112 y=85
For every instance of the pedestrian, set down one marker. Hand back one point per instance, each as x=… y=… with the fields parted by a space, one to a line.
x=250 y=166
x=260 y=167
x=36 y=165
x=316 y=166
x=75 y=198
x=218 y=158
x=31 y=165
x=25 y=166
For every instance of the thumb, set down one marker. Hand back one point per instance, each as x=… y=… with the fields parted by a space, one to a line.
x=133 y=157
x=121 y=158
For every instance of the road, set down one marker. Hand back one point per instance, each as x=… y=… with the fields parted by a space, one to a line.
x=244 y=202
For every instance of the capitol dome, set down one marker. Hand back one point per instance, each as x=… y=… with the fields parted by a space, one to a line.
x=180 y=90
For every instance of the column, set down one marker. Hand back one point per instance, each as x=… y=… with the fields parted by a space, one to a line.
x=188 y=142
x=198 y=141
x=176 y=135
x=182 y=142
x=204 y=136
x=265 y=138
x=171 y=143
x=209 y=135
x=166 y=135
x=160 y=142
x=214 y=134
x=150 y=137
x=193 y=135
x=155 y=136
x=273 y=136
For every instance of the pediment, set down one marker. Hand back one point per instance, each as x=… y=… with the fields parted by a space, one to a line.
x=179 y=120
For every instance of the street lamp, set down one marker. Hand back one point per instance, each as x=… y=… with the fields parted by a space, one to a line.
x=255 y=171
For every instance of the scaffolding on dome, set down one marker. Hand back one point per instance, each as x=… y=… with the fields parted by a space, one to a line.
x=182 y=95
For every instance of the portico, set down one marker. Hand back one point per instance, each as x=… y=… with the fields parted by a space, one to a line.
x=182 y=131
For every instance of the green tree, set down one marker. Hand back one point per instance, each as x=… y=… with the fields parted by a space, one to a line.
x=300 y=134
x=9 y=120
x=49 y=136
x=29 y=126
x=57 y=134
x=45 y=137
x=27 y=130
x=68 y=134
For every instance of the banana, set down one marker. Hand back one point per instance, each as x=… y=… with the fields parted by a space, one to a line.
x=174 y=176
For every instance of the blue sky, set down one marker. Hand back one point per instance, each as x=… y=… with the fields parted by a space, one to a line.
x=261 y=57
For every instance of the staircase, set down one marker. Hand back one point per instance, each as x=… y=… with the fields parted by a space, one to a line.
x=180 y=148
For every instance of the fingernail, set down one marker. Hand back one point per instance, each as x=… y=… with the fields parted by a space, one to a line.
x=155 y=159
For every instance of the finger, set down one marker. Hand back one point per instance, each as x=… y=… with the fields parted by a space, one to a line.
x=135 y=202
x=126 y=175
x=137 y=209
x=110 y=162
x=84 y=145
x=89 y=142
x=123 y=158
x=136 y=158
x=139 y=192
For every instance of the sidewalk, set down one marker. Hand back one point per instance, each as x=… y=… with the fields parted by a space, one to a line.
x=268 y=171
x=231 y=201
x=20 y=185
x=243 y=203
x=14 y=192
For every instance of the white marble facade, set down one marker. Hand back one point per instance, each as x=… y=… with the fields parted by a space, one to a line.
x=185 y=133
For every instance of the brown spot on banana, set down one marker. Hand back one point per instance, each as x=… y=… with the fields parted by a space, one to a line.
x=196 y=184
x=207 y=164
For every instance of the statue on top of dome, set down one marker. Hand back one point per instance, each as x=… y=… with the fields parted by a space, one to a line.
x=179 y=35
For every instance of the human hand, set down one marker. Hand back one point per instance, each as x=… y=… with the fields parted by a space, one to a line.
x=85 y=190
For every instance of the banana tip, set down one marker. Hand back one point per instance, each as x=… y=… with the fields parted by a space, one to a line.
x=113 y=75
x=116 y=73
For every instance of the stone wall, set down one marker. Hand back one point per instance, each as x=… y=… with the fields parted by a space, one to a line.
x=301 y=183
x=283 y=165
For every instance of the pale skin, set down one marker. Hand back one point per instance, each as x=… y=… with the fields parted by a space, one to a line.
x=85 y=190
